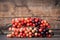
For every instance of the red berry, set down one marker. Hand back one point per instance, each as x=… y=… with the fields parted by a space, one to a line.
x=13 y=21
x=42 y=21
x=48 y=26
x=26 y=32
x=24 y=35
x=27 y=21
x=41 y=25
x=36 y=19
x=30 y=33
x=19 y=36
x=49 y=36
x=39 y=34
x=40 y=30
x=13 y=25
x=28 y=24
x=35 y=28
x=30 y=36
x=16 y=24
x=16 y=33
x=33 y=25
x=27 y=35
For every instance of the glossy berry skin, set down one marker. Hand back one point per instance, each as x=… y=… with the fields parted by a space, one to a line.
x=30 y=27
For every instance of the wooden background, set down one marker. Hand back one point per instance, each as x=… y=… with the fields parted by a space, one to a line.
x=45 y=9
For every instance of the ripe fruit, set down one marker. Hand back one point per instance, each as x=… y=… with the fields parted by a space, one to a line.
x=35 y=28
x=30 y=36
x=33 y=25
x=40 y=30
x=44 y=21
x=39 y=34
x=28 y=21
x=24 y=28
x=13 y=21
x=26 y=32
x=49 y=36
x=24 y=35
x=30 y=33
x=41 y=25
x=30 y=27
x=19 y=36
x=48 y=26
x=18 y=26
x=25 y=21
x=27 y=35
x=28 y=24
x=16 y=33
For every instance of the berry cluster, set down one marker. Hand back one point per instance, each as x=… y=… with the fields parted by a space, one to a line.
x=30 y=27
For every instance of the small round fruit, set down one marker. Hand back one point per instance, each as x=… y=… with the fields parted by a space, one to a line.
x=50 y=31
x=49 y=36
x=10 y=29
x=30 y=36
x=36 y=34
x=9 y=35
x=40 y=30
x=33 y=31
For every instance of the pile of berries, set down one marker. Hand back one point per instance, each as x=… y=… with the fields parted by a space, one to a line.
x=30 y=27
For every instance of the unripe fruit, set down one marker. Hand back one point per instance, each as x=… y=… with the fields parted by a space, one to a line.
x=9 y=35
x=50 y=31
x=10 y=29
x=33 y=31
x=36 y=34
x=30 y=28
